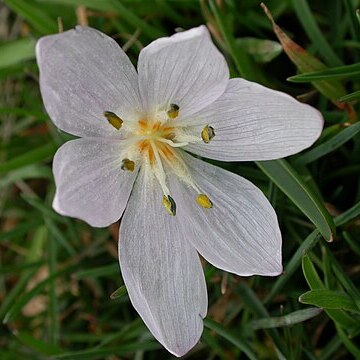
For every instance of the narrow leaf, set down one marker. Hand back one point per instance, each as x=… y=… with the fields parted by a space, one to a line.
x=30 y=157
x=311 y=275
x=14 y=52
x=339 y=72
x=235 y=339
x=351 y=97
x=261 y=50
x=33 y=13
x=38 y=345
x=286 y=320
x=311 y=28
x=329 y=146
x=287 y=179
x=305 y=62
x=120 y=292
x=328 y=299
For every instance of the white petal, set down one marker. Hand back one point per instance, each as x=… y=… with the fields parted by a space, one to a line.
x=240 y=234
x=161 y=270
x=90 y=184
x=185 y=69
x=253 y=122
x=83 y=73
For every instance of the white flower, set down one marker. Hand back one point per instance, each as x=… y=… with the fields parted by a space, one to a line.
x=136 y=129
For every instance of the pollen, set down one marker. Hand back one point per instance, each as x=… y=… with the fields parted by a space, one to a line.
x=173 y=112
x=169 y=205
x=113 y=119
x=207 y=134
x=128 y=165
x=204 y=201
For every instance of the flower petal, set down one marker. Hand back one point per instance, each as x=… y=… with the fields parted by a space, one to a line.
x=184 y=69
x=90 y=184
x=161 y=270
x=253 y=122
x=83 y=73
x=240 y=234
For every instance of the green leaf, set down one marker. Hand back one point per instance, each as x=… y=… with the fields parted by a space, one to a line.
x=350 y=97
x=305 y=62
x=95 y=353
x=348 y=343
x=340 y=317
x=235 y=339
x=131 y=18
x=27 y=172
x=311 y=28
x=261 y=50
x=38 y=345
x=120 y=292
x=328 y=146
x=32 y=156
x=243 y=62
x=287 y=179
x=311 y=275
x=18 y=305
x=106 y=270
x=286 y=320
x=328 y=299
x=339 y=72
x=253 y=303
x=32 y=12
x=20 y=230
x=14 y=52
x=348 y=215
x=100 y=5
x=293 y=264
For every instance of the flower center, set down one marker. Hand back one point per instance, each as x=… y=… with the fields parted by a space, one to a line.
x=154 y=142
x=155 y=137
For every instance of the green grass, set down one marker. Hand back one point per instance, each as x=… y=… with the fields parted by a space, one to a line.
x=61 y=294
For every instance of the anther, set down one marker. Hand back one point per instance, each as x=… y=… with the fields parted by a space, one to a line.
x=207 y=134
x=173 y=112
x=169 y=204
x=128 y=165
x=204 y=201
x=113 y=119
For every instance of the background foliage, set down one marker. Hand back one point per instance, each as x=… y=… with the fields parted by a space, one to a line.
x=57 y=274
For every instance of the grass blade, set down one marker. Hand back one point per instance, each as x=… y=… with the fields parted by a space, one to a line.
x=286 y=178
x=38 y=154
x=328 y=146
x=311 y=28
x=32 y=12
x=286 y=320
x=234 y=339
x=329 y=299
x=340 y=72
x=14 y=52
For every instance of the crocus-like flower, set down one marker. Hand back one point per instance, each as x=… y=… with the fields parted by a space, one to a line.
x=132 y=161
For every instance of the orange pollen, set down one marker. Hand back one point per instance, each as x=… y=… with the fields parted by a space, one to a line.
x=153 y=131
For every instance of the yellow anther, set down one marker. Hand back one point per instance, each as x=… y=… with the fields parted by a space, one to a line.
x=207 y=134
x=204 y=201
x=169 y=204
x=128 y=165
x=173 y=112
x=113 y=119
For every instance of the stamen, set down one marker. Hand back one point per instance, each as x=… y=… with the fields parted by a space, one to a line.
x=159 y=170
x=113 y=119
x=171 y=143
x=207 y=134
x=169 y=204
x=173 y=112
x=128 y=165
x=204 y=201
